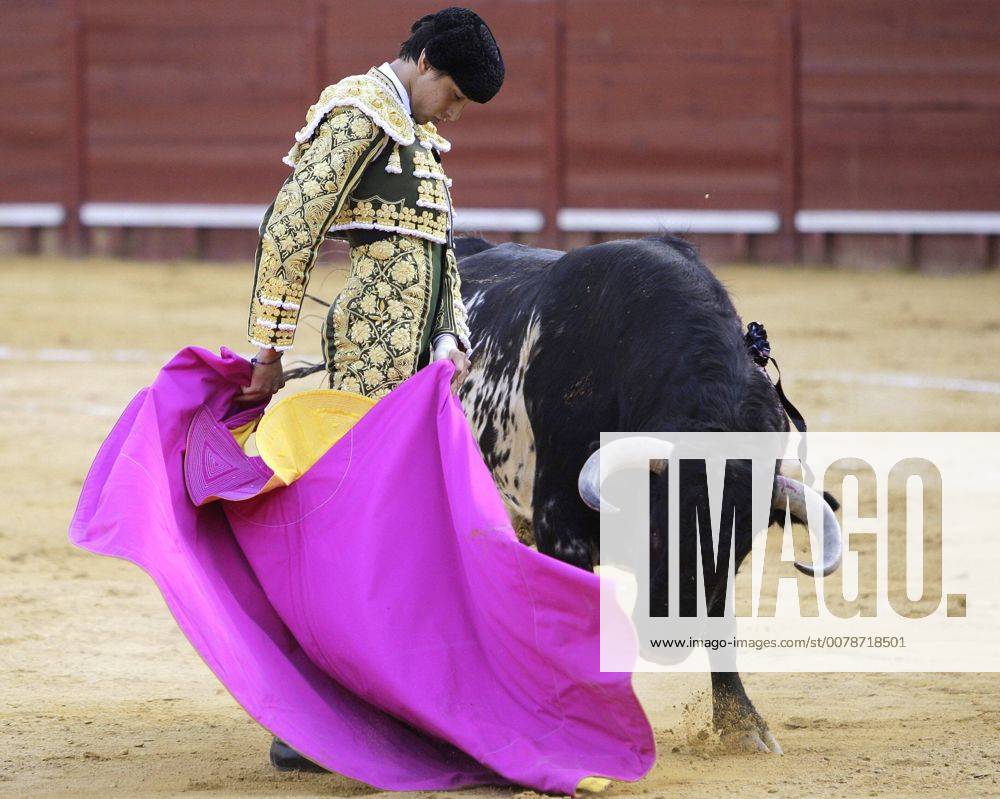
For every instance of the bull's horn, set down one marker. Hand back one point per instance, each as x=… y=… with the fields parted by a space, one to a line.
x=634 y=452
x=794 y=493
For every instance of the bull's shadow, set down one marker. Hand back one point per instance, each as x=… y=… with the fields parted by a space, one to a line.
x=634 y=335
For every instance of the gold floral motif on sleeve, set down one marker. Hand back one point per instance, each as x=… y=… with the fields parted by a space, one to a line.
x=326 y=169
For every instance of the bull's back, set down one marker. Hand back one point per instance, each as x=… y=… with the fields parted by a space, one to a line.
x=500 y=287
x=633 y=329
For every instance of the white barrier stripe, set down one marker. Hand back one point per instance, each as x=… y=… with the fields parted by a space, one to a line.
x=31 y=215
x=642 y=220
x=902 y=380
x=899 y=222
x=193 y=215
x=172 y=215
x=513 y=220
x=249 y=216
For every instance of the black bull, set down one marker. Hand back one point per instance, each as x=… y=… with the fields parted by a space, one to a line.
x=633 y=335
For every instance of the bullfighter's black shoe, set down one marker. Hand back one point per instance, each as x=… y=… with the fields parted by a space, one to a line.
x=284 y=758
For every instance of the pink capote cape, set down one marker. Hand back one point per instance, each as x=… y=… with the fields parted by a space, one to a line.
x=378 y=614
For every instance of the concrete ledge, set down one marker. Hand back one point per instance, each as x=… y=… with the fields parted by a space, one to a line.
x=674 y=220
x=31 y=215
x=182 y=215
x=899 y=222
x=196 y=215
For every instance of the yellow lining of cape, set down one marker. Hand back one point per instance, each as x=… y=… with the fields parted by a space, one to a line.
x=298 y=431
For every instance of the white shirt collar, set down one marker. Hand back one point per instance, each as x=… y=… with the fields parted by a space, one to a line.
x=388 y=72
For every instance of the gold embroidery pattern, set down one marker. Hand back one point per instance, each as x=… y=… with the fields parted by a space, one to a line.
x=432 y=195
x=451 y=314
x=370 y=95
x=326 y=169
x=425 y=165
x=425 y=208
x=428 y=137
x=374 y=213
x=393 y=165
x=375 y=324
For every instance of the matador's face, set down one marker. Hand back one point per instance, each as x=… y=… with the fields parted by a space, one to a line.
x=434 y=96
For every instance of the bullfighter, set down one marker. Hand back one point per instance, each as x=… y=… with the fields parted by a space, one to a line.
x=366 y=166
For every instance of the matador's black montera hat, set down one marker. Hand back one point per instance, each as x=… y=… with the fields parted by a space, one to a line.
x=463 y=46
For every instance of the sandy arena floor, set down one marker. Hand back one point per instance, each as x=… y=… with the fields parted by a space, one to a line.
x=102 y=696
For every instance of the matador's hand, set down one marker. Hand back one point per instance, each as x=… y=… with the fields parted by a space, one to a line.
x=462 y=367
x=266 y=380
x=447 y=348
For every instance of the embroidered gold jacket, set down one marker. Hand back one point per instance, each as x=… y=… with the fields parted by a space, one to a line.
x=361 y=163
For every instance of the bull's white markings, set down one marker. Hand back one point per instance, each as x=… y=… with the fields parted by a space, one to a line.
x=474 y=301
x=507 y=393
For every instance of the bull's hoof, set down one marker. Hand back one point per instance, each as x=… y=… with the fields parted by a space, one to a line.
x=284 y=758
x=757 y=739
x=742 y=729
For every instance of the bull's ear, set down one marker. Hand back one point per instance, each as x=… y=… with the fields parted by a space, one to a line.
x=831 y=500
